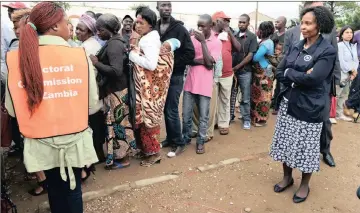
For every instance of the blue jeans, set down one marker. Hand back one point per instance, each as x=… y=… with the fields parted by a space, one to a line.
x=61 y=197
x=203 y=104
x=171 y=111
x=244 y=81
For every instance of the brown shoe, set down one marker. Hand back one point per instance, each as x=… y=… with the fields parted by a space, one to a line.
x=347 y=111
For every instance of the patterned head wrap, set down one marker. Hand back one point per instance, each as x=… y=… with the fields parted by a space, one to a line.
x=89 y=22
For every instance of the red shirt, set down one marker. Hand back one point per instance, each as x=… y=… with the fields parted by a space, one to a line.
x=226 y=57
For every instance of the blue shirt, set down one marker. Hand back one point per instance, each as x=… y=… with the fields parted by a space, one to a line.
x=7 y=35
x=266 y=48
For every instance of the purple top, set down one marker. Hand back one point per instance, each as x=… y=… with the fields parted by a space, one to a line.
x=357 y=41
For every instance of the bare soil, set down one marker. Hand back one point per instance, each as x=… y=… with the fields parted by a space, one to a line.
x=230 y=189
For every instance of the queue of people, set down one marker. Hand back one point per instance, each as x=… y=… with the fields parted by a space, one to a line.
x=104 y=101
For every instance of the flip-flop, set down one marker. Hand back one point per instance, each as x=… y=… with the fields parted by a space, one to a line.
x=116 y=165
x=208 y=139
x=200 y=150
x=224 y=131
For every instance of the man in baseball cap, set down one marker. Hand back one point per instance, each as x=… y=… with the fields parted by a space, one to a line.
x=14 y=6
x=229 y=44
x=127 y=29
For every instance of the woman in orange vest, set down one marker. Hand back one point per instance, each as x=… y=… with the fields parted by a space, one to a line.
x=50 y=89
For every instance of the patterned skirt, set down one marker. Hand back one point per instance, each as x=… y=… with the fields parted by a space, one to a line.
x=261 y=94
x=296 y=143
x=147 y=139
x=120 y=135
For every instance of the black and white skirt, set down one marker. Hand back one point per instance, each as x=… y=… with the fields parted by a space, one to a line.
x=296 y=143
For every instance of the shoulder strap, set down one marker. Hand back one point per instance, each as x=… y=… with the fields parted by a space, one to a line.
x=12 y=41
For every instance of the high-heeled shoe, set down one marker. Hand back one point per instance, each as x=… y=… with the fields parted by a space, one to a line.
x=88 y=171
x=279 y=189
x=297 y=199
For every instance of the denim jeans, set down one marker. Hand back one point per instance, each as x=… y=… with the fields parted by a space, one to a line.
x=203 y=104
x=244 y=81
x=61 y=197
x=171 y=111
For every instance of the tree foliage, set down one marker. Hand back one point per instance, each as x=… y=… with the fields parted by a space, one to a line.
x=345 y=13
x=338 y=8
x=352 y=19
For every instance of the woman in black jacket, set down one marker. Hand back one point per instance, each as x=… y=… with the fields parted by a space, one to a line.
x=112 y=78
x=306 y=72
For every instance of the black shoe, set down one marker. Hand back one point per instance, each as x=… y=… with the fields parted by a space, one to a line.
x=358 y=193
x=279 y=189
x=44 y=186
x=164 y=144
x=88 y=172
x=329 y=160
x=297 y=199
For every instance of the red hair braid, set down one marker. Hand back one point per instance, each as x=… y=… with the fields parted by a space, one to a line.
x=43 y=16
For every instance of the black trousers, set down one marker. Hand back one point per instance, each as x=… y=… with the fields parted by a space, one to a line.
x=274 y=103
x=326 y=137
x=61 y=198
x=97 y=124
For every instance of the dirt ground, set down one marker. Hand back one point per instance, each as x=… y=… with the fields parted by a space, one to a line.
x=230 y=189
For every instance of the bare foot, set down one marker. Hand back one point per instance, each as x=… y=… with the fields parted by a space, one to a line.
x=83 y=174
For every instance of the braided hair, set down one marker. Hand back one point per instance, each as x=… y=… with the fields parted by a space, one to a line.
x=42 y=17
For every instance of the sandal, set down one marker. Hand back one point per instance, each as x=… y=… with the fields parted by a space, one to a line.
x=148 y=162
x=224 y=131
x=208 y=139
x=88 y=171
x=260 y=124
x=200 y=149
x=42 y=184
x=117 y=165
x=140 y=155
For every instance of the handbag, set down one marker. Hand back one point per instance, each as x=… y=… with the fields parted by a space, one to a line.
x=6 y=133
x=333 y=107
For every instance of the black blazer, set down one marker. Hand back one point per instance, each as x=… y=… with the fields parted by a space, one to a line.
x=292 y=37
x=308 y=94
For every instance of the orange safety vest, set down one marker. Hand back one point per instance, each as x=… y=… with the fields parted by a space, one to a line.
x=65 y=106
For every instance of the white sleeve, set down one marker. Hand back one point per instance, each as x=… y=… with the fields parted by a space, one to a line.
x=151 y=50
x=345 y=68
